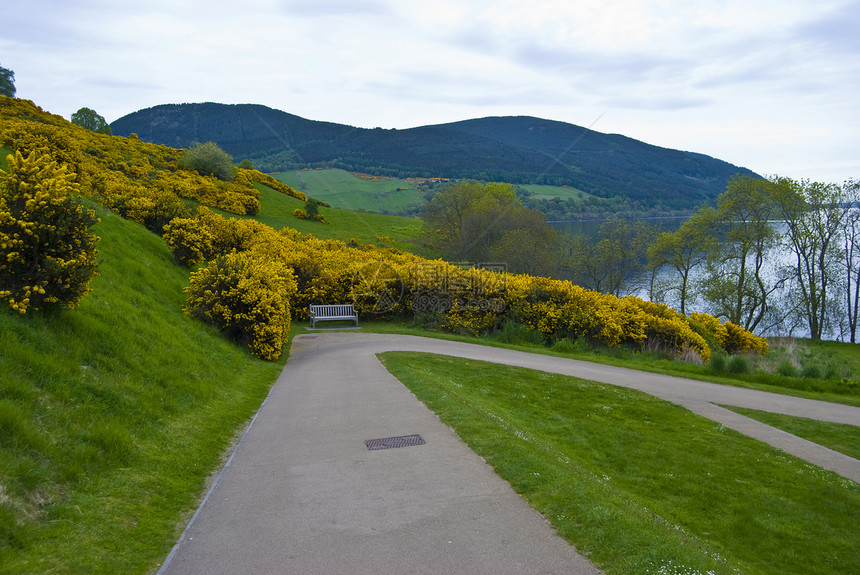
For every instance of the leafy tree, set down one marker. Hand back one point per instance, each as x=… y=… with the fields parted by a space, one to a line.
x=7 y=82
x=736 y=285
x=851 y=256
x=47 y=255
x=208 y=159
x=469 y=221
x=814 y=214
x=89 y=119
x=312 y=209
x=610 y=264
x=683 y=251
x=525 y=248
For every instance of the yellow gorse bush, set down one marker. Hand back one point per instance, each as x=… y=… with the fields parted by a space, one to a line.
x=735 y=339
x=47 y=254
x=247 y=297
x=140 y=181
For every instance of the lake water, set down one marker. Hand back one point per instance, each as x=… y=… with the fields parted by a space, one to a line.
x=592 y=227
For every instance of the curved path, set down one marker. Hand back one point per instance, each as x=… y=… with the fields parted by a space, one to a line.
x=302 y=493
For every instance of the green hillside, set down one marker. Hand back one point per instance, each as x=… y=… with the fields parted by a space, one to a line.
x=113 y=415
x=518 y=150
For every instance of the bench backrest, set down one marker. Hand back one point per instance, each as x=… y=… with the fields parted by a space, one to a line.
x=333 y=310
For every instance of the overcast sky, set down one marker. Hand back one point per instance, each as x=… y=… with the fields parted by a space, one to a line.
x=771 y=85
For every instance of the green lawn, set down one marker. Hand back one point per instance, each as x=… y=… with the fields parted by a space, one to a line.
x=638 y=484
x=832 y=391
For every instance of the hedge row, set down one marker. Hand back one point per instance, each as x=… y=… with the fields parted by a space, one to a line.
x=389 y=283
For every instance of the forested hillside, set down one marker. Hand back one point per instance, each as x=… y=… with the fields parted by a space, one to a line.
x=518 y=150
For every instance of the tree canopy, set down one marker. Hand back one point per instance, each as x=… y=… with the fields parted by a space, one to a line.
x=89 y=119
x=7 y=82
x=474 y=222
x=209 y=160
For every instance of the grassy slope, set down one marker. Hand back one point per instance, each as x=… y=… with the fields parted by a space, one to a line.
x=639 y=484
x=276 y=210
x=114 y=414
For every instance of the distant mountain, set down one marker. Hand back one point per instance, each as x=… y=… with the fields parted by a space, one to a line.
x=519 y=150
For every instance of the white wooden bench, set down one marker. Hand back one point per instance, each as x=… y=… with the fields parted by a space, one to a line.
x=333 y=312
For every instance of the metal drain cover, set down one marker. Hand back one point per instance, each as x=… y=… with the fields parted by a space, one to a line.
x=392 y=442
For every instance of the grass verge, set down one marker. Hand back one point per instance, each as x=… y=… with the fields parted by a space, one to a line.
x=636 y=483
x=836 y=436
x=114 y=415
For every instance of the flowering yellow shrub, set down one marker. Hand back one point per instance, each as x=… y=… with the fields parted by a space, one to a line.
x=735 y=339
x=675 y=335
x=113 y=170
x=705 y=321
x=47 y=254
x=190 y=242
x=271 y=182
x=246 y=297
x=470 y=319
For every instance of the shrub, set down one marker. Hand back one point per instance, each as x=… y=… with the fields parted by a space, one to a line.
x=718 y=363
x=190 y=242
x=247 y=297
x=208 y=160
x=564 y=346
x=47 y=254
x=738 y=364
x=735 y=339
x=300 y=213
x=810 y=372
x=312 y=208
x=515 y=332
x=787 y=369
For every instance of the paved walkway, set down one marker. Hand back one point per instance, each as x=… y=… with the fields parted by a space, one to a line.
x=302 y=494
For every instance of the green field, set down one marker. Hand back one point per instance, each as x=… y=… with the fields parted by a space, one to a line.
x=344 y=190
x=382 y=230
x=540 y=192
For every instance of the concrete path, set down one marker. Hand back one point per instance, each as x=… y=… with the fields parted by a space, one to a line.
x=303 y=494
